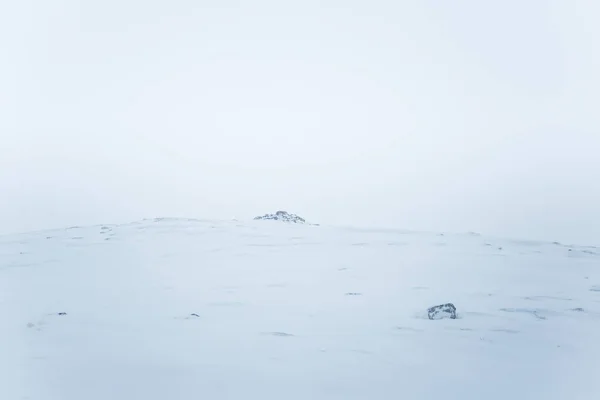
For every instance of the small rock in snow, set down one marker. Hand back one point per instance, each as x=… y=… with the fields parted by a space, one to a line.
x=62 y=313
x=194 y=315
x=442 y=311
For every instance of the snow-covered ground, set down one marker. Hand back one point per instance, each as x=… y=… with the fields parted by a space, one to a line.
x=293 y=312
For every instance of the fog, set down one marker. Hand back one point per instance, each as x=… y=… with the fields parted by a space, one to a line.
x=427 y=115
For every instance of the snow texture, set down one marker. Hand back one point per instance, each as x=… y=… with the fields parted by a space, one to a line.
x=188 y=309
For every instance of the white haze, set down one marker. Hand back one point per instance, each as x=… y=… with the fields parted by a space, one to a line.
x=429 y=115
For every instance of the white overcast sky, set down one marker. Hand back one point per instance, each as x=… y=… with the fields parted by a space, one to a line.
x=463 y=115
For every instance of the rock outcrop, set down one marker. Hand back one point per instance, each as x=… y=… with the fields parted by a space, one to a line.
x=282 y=216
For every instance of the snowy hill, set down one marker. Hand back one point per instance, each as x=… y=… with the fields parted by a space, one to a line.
x=188 y=309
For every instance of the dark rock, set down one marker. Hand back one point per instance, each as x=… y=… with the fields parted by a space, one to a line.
x=282 y=216
x=442 y=311
x=194 y=315
x=62 y=313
